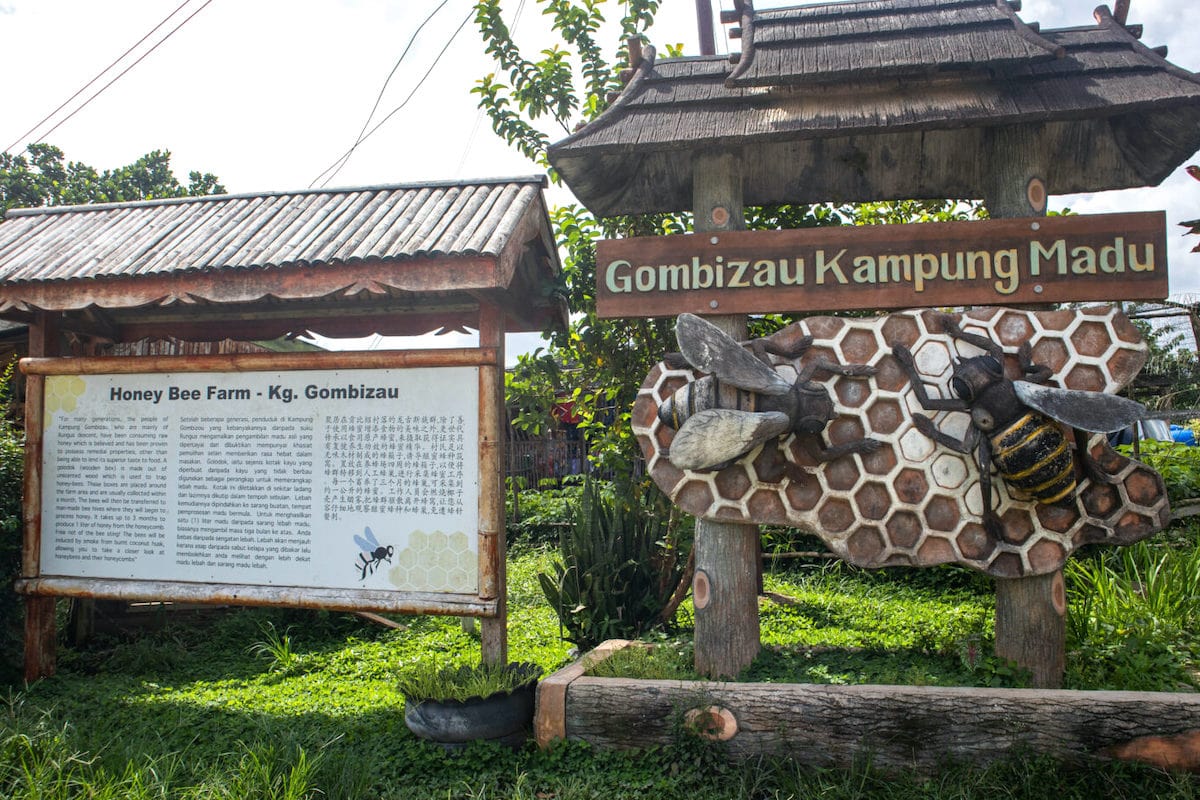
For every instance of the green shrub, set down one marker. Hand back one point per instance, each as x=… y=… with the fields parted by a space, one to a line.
x=538 y=517
x=1178 y=464
x=427 y=681
x=619 y=565
x=12 y=450
x=1132 y=618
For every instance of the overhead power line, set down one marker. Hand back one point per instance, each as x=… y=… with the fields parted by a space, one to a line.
x=105 y=71
x=341 y=161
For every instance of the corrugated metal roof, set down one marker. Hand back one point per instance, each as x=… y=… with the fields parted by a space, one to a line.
x=308 y=228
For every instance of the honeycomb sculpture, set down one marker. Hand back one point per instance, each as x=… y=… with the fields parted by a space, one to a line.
x=914 y=502
x=436 y=562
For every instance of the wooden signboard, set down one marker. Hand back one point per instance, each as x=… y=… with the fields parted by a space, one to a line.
x=989 y=262
x=332 y=480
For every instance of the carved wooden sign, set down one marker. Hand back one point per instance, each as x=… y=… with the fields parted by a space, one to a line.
x=989 y=262
x=907 y=498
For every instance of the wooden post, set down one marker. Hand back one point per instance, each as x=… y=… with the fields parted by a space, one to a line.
x=1031 y=613
x=725 y=586
x=40 y=627
x=493 y=630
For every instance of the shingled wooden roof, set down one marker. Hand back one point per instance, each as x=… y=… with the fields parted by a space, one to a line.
x=350 y=262
x=888 y=99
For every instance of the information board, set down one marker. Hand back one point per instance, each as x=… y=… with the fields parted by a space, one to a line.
x=328 y=478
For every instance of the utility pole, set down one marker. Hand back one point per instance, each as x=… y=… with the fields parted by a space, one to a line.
x=704 y=26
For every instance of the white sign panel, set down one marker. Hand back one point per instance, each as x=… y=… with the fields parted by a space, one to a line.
x=361 y=478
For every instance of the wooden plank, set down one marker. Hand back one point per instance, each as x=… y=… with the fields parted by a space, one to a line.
x=339 y=599
x=894 y=726
x=549 y=721
x=992 y=262
x=260 y=362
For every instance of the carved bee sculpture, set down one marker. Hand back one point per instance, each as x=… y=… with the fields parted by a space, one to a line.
x=743 y=402
x=911 y=500
x=1013 y=422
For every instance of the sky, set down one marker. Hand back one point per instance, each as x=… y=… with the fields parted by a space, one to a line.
x=269 y=94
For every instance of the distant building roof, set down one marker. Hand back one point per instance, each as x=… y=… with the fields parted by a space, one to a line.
x=888 y=99
x=414 y=248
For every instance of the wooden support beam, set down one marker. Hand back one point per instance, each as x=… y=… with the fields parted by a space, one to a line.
x=725 y=586
x=1031 y=621
x=493 y=630
x=40 y=627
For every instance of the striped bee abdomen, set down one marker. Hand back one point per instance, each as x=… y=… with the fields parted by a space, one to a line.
x=1033 y=455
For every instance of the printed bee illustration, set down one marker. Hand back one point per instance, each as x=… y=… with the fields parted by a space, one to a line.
x=1013 y=422
x=743 y=402
x=373 y=553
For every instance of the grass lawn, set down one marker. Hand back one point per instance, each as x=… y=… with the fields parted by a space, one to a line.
x=291 y=704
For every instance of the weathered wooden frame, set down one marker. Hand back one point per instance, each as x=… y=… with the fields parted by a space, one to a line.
x=487 y=603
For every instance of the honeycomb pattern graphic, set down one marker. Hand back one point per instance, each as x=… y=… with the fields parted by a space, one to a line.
x=61 y=394
x=914 y=502
x=436 y=562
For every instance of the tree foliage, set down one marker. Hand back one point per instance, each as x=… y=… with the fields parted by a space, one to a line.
x=42 y=177
x=599 y=364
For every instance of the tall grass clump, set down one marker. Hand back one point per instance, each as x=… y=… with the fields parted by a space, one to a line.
x=1133 y=618
x=619 y=565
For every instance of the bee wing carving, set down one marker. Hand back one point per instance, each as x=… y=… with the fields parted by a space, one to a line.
x=1089 y=411
x=709 y=349
x=717 y=435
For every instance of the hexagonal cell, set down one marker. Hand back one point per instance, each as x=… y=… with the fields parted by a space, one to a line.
x=695 y=497
x=836 y=514
x=841 y=475
x=864 y=546
x=766 y=506
x=804 y=495
x=933 y=359
x=1016 y=526
x=1085 y=378
x=1123 y=365
x=881 y=462
x=852 y=392
x=949 y=471
x=904 y=529
x=885 y=415
x=845 y=429
x=916 y=446
x=1089 y=534
x=665 y=473
x=1057 y=518
x=942 y=513
x=645 y=411
x=824 y=327
x=1051 y=353
x=1091 y=339
x=1144 y=486
x=728 y=513
x=935 y=550
x=732 y=482
x=889 y=377
x=1046 y=556
x=459 y=580
x=872 y=500
x=911 y=486
x=435 y=577
x=1058 y=320
x=859 y=346
x=901 y=329
x=1100 y=499
x=974 y=543
x=1006 y=565
x=1134 y=526
x=1014 y=328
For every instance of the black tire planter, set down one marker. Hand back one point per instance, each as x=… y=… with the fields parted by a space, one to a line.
x=504 y=717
